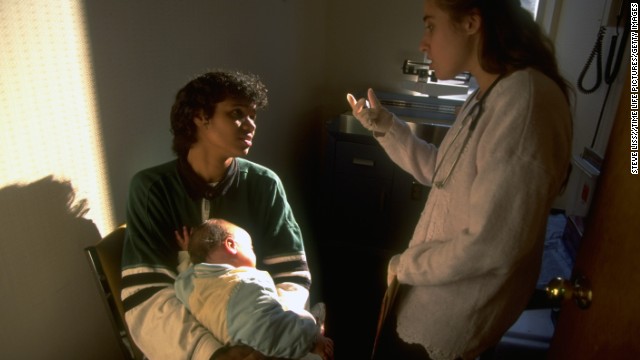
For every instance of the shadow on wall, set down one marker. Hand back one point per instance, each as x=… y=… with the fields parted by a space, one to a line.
x=303 y=189
x=49 y=304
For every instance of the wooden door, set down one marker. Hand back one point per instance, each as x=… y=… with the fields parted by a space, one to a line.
x=609 y=257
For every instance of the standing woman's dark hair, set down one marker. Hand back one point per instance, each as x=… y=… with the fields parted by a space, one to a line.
x=200 y=96
x=511 y=39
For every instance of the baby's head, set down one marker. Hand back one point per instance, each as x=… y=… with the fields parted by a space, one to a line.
x=218 y=241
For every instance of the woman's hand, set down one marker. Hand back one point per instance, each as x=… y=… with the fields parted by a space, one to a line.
x=375 y=118
x=392 y=269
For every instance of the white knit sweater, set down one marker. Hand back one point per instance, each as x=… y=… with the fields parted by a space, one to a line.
x=475 y=253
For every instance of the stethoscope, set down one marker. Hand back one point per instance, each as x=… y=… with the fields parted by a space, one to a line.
x=475 y=112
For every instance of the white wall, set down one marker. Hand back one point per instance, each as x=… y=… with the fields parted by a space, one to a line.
x=49 y=304
x=367 y=43
x=577 y=29
x=575 y=38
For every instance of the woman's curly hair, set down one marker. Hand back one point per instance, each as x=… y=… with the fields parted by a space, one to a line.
x=200 y=96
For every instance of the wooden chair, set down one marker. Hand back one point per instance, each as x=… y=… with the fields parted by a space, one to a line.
x=105 y=259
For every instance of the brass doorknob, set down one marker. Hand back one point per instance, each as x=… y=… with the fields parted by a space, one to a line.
x=578 y=289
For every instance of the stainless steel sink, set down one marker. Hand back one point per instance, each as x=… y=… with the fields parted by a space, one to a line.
x=432 y=131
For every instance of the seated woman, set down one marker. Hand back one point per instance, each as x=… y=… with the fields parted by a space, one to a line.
x=213 y=122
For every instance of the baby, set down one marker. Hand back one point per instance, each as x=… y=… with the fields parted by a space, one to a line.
x=238 y=303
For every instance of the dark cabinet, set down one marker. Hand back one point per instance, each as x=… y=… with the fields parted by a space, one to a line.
x=374 y=202
x=370 y=207
x=360 y=186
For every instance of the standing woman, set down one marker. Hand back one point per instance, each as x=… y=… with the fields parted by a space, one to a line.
x=474 y=257
x=213 y=121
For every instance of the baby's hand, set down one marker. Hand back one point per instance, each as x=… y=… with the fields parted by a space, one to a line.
x=183 y=239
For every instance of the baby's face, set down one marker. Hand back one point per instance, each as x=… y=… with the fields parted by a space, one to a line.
x=245 y=256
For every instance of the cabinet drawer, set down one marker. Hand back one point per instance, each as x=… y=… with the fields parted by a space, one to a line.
x=363 y=159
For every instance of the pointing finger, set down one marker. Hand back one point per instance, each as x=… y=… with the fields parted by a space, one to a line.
x=373 y=99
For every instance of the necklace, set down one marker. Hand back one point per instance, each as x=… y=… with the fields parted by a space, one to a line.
x=474 y=113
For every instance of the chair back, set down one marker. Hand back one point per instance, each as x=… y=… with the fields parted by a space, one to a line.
x=105 y=258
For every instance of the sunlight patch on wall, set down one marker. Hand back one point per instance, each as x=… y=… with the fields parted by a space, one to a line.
x=48 y=116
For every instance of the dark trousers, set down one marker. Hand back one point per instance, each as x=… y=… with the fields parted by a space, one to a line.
x=388 y=345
